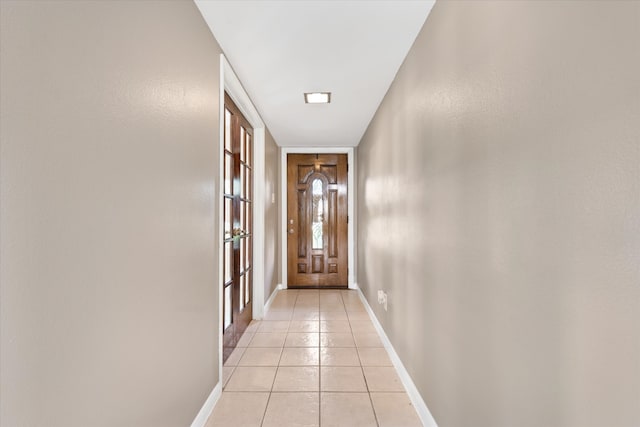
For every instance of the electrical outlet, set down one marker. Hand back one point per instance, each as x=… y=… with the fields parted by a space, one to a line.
x=382 y=298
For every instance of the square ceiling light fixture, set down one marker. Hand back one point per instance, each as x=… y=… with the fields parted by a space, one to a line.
x=317 y=97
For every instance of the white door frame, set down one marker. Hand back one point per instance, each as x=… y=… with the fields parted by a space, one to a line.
x=230 y=83
x=350 y=200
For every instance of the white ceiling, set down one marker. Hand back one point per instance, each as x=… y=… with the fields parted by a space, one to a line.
x=281 y=49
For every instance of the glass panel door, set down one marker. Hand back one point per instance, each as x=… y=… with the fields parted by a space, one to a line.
x=237 y=212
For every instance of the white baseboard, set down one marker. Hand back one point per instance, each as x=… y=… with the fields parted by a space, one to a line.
x=412 y=391
x=207 y=408
x=272 y=297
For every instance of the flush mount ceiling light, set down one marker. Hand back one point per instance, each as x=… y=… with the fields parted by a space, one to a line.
x=317 y=97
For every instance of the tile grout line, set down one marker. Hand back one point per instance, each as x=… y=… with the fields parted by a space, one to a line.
x=277 y=368
x=282 y=347
x=319 y=362
x=375 y=416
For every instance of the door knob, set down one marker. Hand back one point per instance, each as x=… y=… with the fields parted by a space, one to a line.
x=291 y=231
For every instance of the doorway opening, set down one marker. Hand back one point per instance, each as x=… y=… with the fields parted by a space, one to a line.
x=317 y=220
x=317 y=234
x=231 y=88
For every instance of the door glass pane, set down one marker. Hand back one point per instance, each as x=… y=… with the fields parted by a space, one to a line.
x=228 y=256
x=227 y=306
x=242 y=185
x=242 y=252
x=227 y=130
x=247 y=290
x=228 y=178
x=243 y=218
x=247 y=258
x=249 y=149
x=242 y=136
x=249 y=224
x=317 y=212
x=228 y=217
x=241 y=292
x=247 y=181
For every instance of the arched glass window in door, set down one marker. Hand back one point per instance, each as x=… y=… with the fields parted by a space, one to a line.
x=317 y=212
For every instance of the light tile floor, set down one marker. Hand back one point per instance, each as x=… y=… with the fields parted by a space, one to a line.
x=316 y=360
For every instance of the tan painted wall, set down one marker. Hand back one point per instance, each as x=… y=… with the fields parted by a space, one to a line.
x=499 y=205
x=272 y=220
x=109 y=136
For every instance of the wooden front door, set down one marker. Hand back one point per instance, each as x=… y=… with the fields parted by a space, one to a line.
x=317 y=220
x=238 y=213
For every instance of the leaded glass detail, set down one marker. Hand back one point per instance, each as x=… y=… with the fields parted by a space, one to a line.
x=317 y=212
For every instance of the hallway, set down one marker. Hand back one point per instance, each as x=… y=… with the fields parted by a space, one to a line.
x=492 y=213
x=316 y=360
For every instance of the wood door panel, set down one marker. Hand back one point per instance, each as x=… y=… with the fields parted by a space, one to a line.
x=330 y=172
x=302 y=223
x=317 y=264
x=317 y=220
x=304 y=172
x=333 y=223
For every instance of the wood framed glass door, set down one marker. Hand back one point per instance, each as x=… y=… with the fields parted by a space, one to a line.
x=238 y=226
x=317 y=208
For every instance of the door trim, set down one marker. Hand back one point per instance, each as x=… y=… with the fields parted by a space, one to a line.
x=230 y=83
x=351 y=189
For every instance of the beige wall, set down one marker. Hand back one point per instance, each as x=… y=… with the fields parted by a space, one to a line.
x=272 y=220
x=499 y=205
x=109 y=136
